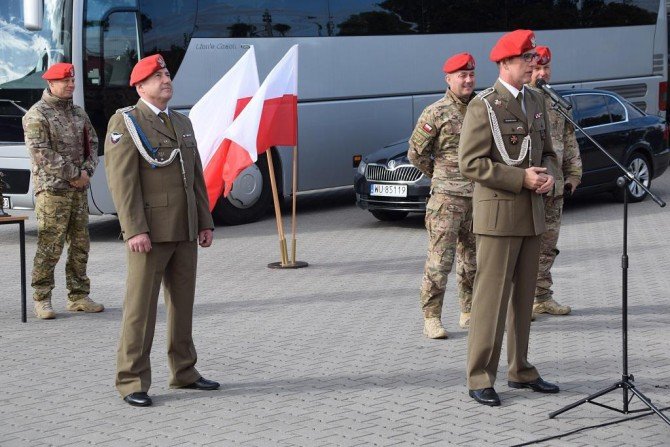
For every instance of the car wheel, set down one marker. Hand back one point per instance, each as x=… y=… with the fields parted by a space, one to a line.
x=639 y=166
x=249 y=200
x=389 y=216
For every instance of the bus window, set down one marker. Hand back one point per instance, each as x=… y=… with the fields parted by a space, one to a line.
x=120 y=48
x=111 y=51
x=167 y=28
x=241 y=18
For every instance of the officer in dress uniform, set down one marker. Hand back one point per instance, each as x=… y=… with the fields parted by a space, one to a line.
x=506 y=150
x=433 y=148
x=568 y=178
x=63 y=148
x=156 y=180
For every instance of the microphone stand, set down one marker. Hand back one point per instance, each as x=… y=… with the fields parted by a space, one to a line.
x=626 y=382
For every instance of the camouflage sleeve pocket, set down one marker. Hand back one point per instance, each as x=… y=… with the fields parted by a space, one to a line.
x=34 y=131
x=421 y=139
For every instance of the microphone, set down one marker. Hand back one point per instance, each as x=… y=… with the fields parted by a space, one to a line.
x=546 y=88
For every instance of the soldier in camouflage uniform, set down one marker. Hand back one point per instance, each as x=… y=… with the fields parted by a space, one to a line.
x=567 y=179
x=63 y=148
x=433 y=148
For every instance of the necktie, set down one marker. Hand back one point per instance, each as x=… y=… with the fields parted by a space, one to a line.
x=166 y=120
x=519 y=99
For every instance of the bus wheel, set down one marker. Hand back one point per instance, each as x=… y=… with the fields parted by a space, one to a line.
x=250 y=198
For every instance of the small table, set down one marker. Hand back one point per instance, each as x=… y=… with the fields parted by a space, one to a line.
x=22 y=246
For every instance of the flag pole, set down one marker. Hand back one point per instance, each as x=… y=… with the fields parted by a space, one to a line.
x=295 y=193
x=280 y=225
x=285 y=263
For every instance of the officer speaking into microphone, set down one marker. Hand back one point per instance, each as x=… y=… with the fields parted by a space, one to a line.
x=506 y=150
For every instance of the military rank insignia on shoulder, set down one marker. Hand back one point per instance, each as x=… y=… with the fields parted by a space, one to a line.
x=125 y=109
x=484 y=93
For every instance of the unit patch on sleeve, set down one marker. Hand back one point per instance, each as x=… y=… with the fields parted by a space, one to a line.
x=114 y=137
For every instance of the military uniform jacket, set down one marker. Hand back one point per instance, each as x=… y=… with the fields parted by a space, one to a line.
x=501 y=205
x=565 y=145
x=433 y=146
x=155 y=200
x=61 y=142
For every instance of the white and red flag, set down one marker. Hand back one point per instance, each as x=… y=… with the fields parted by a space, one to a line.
x=270 y=119
x=215 y=112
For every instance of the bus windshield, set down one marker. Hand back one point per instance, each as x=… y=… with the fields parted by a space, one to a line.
x=25 y=55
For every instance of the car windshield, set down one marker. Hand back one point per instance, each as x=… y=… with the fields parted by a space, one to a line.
x=25 y=55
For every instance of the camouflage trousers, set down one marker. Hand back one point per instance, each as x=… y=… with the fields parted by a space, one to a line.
x=553 y=210
x=61 y=217
x=449 y=225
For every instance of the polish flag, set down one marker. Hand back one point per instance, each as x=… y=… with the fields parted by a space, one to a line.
x=215 y=112
x=270 y=119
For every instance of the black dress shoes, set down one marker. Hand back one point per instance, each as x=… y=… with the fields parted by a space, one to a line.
x=485 y=396
x=203 y=384
x=538 y=385
x=140 y=399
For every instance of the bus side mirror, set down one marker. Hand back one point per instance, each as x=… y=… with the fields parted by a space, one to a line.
x=33 y=14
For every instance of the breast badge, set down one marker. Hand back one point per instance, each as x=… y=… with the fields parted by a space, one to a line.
x=513 y=139
x=538 y=115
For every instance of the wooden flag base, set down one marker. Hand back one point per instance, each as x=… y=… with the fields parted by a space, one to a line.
x=290 y=265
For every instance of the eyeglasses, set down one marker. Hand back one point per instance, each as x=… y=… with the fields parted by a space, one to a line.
x=530 y=57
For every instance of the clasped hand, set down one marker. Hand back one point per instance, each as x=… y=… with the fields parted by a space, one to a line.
x=536 y=179
x=82 y=181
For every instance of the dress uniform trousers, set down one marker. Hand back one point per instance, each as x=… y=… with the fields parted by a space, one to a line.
x=506 y=272
x=174 y=264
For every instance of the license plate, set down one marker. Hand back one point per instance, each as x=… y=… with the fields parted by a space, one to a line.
x=6 y=203
x=388 y=190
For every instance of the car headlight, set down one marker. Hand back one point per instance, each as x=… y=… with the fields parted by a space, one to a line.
x=361 y=167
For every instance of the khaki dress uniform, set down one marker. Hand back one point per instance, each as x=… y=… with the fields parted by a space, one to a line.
x=172 y=208
x=508 y=220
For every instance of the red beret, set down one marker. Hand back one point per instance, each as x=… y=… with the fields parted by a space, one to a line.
x=545 y=55
x=146 y=67
x=460 y=61
x=58 y=71
x=513 y=44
